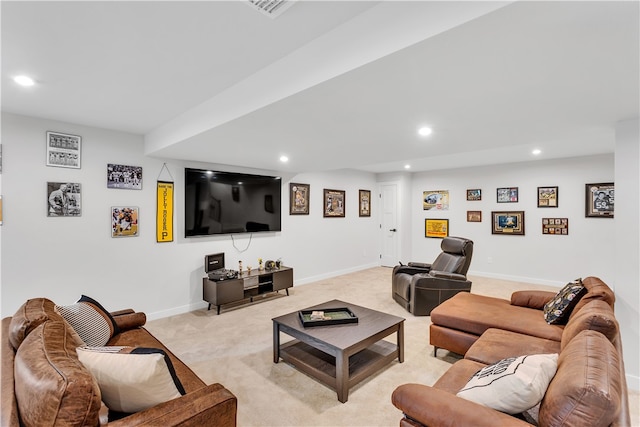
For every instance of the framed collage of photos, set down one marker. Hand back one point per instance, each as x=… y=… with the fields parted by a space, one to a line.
x=507 y=195
x=63 y=150
x=599 y=200
x=507 y=222
x=555 y=226
x=334 y=202
x=547 y=197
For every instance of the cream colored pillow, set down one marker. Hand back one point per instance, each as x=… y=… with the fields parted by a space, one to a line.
x=512 y=385
x=131 y=379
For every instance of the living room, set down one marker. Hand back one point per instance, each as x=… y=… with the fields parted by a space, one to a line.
x=62 y=258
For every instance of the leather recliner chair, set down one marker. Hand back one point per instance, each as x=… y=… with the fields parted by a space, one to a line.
x=421 y=287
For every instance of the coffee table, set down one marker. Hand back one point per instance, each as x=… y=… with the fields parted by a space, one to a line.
x=340 y=356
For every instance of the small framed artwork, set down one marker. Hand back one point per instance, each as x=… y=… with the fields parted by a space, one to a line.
x=63 y=150
x=63 y=199
x=435 y=200
x=507 y=195
x=124 y=221
x=438 y=228
x=474 y=216
x=0 y=210
x=599 y=200
x=547 y=197
x=365 y=203
x=555 y=226
x=123 y=176
x=507 y=222
x=299 y=199
x=334 y=201
x=474 y=195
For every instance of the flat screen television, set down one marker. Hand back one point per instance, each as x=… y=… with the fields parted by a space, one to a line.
x=228 y=202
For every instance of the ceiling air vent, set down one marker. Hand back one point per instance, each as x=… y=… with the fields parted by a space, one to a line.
x=271 y=8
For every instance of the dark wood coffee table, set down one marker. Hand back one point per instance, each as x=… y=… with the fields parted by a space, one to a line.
x=340 y=356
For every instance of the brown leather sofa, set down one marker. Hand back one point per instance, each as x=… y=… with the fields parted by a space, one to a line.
x=589 y=387
x=62 y=392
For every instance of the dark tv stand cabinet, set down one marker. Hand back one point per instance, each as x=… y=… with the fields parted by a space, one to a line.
x=246 y=286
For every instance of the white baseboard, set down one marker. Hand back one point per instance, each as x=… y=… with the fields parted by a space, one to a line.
x=532 y=280
x=177 y=310
x=331 y=274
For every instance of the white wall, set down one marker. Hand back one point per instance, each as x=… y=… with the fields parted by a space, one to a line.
x=536 y=258
x=61 y=258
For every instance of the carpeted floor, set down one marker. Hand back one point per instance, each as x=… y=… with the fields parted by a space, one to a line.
x=235 y=349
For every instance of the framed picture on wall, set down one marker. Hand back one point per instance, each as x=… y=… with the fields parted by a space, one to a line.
x=365 y=202
x=474 y=216
x=299 y=199
x=474 y=195
x=63 y=150
x=555 y=226
x=599 y=200
x=507 y=195
x=124 y=221
x=438 y=228
x=547 y=197
x=123 y=176
x=334 y=202
x=63 y=199
x=507 y=222
x=435 y=200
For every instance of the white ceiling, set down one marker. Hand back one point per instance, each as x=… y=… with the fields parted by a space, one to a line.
x=332 y=84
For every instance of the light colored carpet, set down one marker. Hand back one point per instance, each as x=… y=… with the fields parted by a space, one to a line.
x=235 y=349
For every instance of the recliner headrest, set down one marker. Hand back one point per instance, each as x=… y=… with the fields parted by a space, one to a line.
x=455 y=245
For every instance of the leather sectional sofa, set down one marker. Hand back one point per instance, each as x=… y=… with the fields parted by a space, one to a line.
x=44 y=383
x=589 y=386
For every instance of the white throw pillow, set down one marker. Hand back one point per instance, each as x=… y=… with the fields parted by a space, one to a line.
x=512 y=385
x=90 y=320
x=131 y=379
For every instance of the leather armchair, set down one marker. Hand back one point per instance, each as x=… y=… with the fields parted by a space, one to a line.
x=421 y=287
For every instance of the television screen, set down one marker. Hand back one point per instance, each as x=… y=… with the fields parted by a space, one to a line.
x=229 y=202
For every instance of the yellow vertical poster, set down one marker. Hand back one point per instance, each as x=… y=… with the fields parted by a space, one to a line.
x=164 y=219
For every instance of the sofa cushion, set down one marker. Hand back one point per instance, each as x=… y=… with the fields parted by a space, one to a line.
x=587 y=387
x=557 y=310
x=597 y=315
x=512 y=385
x=132 y=379
x=596 y=290
x=29 y=316
x=51 y=385
x=92 y=322
x=497 y=344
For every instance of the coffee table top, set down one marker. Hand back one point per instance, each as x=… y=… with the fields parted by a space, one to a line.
x=370 y=322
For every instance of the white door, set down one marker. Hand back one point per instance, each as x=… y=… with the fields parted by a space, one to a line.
x=388 y=224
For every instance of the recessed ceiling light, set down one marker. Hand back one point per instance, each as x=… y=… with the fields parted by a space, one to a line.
x=424 y=131
x=536 y=152
x=407 y=166
x=284 y=159
x=24 y=80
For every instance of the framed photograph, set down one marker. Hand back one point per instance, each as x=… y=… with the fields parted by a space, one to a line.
x=334 y=201
x=599 y=200
x=555 y=226
x=547 y=197
x=474 y=195
x=505 y=222
x=63 y=199
x=0 y=210
x=299 y=199
x=365 y=203
x=435 y=200
x=63 y=150
x=438 y=228
x=507 y=195
x=474 y=216
x=124 y=221
x=123 y=176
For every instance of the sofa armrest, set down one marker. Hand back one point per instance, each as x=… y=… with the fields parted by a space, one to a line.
x=423 y=265
x=212 y=405
x=434 y=407
x=445 y=275
x=531 y=299
x=121 y=312
x=127 y=321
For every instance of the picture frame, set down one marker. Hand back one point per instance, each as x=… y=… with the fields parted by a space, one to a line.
x=547 y=197
x=64 y=199
x=299 y=199
x=555 y=226
x=507 y=222
x=334 y=203
x=435 y=200
x=599 y=200
x=63 y=150
x=474 y=216
x=474 y=194
x=507 y=195
x=0 y=210
x=124 y=176
x=124 y=221
x=436 y=228
x=364 y=203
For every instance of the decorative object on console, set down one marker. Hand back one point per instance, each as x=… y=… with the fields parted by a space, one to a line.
x=557 y=310
x=123 y=176
x=507 y=195
x=63 y=199
x=334 y=202
x=124 y=221
x=507 y=222
x=435 y=199
x=90 y=320
x=438 y=228
x=365 y=202
x=132 y=379
x=474 y=195
x=63 y=150
x=299 y=199
x=555 y=226
x=547 y=197
x=599 y=200
x=270 y=265
x=512 y=385
x=260 y=266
